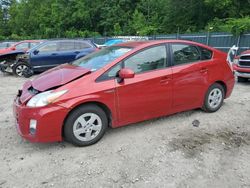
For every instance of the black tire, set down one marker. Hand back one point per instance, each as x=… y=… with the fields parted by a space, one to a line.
x=208 y=106
x=72 y=119
x=22 y=69
x=241 y=79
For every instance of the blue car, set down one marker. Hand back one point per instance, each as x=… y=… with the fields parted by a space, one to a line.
x=50 y=54
x=113 y=42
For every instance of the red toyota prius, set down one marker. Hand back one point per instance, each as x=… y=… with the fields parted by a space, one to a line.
x=120 y=85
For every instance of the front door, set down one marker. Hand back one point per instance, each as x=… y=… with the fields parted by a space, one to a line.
x=149 y=93
x=45 y=56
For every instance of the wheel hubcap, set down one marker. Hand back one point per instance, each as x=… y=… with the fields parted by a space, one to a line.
x=87 y=126
x=20 y=69
x=215 y=98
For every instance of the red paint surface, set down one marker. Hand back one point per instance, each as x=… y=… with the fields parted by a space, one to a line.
x=145 y=96
x=12 y=48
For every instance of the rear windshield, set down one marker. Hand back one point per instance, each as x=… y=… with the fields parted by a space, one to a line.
x=101 y=58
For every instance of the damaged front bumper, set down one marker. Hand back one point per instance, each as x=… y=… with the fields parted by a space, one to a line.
x=6 y=66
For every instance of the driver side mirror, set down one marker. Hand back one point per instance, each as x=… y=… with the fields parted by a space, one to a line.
x=35 y=52
x=13 y=48
x=126 y=73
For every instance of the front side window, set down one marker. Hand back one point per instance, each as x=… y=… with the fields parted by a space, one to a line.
x=111 y=73
x=147 y=60
x=22 y=46
x=184 y=53
x=50 y=47
x=101 y=58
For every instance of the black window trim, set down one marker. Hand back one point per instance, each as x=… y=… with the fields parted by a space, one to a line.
x=167 y=64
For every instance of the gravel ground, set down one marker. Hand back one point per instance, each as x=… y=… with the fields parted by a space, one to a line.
x=189 y=149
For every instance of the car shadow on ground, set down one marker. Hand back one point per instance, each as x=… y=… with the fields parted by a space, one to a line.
x=116 y=132
x=244 y=83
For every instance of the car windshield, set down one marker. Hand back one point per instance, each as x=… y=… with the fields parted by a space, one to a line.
x=101 y=58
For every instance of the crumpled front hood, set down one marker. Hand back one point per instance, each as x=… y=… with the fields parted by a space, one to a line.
x=58 y=76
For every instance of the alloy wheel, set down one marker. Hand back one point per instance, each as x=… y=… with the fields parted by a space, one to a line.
x=20 y=69
x=87 y=126
x=215 y=98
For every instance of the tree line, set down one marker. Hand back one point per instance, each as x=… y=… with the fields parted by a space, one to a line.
x=24 y=19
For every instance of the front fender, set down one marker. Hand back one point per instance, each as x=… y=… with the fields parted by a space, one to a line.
x=92 y=98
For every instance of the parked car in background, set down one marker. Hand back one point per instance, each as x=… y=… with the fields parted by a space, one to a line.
x=241 y=66
x=9 y=55
x=113 y=42
x=119 y=85
x=6 y=44
x=23 y=45
x=50 y=54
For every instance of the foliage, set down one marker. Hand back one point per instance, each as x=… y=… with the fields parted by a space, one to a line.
x=236 y=26
x=24 y=19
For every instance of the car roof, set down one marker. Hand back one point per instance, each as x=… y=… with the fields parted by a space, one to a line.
x=139 y=44
x=23 y=41
x=29 y=41
x=66 y=40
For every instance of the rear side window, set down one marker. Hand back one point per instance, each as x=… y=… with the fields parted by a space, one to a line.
x=66 y=46
x=184 y=53
x=150 y=59
x=82 y=45
x=206 y=54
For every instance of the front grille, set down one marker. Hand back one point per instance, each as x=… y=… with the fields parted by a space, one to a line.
x=245 y=57
x=244 y=61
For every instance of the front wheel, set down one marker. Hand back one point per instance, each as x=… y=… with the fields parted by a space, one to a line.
x=214 y=98
x=22 y=69
x=86 y=125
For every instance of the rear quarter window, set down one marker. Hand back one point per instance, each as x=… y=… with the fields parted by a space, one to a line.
x=206 y=54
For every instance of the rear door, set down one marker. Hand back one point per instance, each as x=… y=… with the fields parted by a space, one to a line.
x=149 y=93
x=190 y=76
x=66 y=52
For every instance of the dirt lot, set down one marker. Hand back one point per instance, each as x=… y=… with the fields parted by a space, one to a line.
x=166 y=152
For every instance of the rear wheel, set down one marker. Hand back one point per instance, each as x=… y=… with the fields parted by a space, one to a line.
x=214 y=98
x=241 y=79
x=22 y=69
x=86 y=125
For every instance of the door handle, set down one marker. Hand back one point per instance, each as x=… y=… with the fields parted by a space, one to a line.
x=204 y=70
x=76 y=52
x=54 y=54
